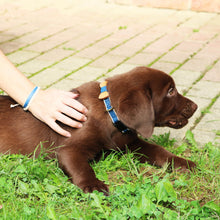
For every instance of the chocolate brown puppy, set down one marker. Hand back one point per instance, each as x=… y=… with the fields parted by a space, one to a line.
x=126 y=105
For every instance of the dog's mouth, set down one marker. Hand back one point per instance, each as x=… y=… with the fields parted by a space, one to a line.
x=173 y=123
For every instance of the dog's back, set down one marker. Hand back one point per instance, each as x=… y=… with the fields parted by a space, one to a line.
x=20 y=132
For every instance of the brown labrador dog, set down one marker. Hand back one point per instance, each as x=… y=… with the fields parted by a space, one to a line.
x=142 y=99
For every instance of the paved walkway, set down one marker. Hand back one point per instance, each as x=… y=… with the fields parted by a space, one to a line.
x=61 y=44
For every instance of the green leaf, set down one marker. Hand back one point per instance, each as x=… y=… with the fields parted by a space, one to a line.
x=23 y=187
x=164 y=190
x=213 y=206
x=2 y=181
x=146 y=205
x=182 y=148
x=170 y=214
x=180 y=183
x=97 y=201
x=190 y=138
x=197 y=208
x=20 y=169
x=161 y=193
x=63 y=217
x=195 y=30
x=217 y=133
x=170 y=190
x=50 y=188
x=122 y=27
x=51 y=214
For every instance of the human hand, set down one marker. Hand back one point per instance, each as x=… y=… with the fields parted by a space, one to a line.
x=51 y=105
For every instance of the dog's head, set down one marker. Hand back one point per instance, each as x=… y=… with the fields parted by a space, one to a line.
x=145 y=98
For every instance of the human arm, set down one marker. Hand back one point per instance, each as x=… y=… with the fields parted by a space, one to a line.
x=47 y=105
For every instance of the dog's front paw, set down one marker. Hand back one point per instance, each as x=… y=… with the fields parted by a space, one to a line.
x=90 y=186
x=181 y=164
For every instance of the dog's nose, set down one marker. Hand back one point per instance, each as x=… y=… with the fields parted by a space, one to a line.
x=189 y=109
x=194 y=106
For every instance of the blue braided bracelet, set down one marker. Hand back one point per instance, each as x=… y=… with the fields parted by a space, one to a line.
x=30 y=98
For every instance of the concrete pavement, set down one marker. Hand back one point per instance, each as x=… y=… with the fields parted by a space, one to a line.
x=62 y=44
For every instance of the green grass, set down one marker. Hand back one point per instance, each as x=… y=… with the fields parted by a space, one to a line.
x=37 y=189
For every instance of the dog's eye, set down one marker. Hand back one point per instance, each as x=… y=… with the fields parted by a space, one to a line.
x=171 y=91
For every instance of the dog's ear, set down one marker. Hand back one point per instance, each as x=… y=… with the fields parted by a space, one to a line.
x=135 y=110
x=75 y=91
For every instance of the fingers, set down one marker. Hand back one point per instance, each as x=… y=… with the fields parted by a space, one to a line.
x=68 y=121
x=73 y=103
x=73 y=114
x=65 y=120
x=62 y=107
x=58 y=129
x=72 y=94
x=74 y=109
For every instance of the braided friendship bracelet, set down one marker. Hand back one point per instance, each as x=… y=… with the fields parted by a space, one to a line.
x=30 y=98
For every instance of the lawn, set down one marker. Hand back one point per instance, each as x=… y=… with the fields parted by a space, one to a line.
x=35 y=188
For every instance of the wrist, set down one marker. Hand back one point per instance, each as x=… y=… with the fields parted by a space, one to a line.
x=31 y=97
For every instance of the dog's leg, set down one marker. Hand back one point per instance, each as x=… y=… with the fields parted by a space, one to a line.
x=76 y=166
x=158 y=156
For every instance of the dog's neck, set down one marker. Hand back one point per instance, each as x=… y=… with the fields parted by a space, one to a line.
x=104 y=95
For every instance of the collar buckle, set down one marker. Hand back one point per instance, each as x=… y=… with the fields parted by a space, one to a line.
x=104 y=95
x=110 y=109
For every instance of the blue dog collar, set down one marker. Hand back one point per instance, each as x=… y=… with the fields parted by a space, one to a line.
x=104 y=95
